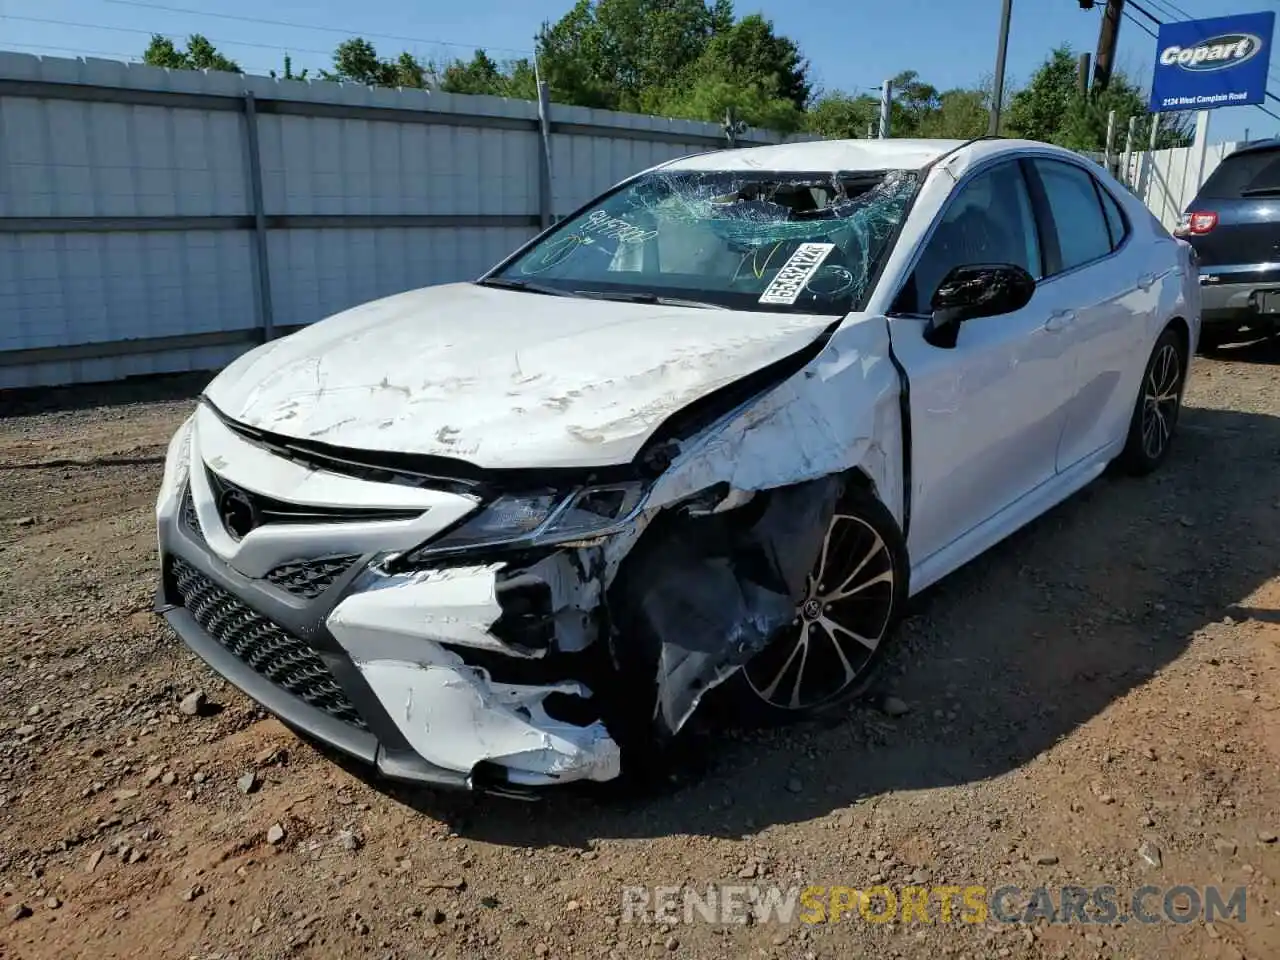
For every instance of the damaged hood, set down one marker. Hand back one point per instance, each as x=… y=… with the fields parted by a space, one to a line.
x=500 y=378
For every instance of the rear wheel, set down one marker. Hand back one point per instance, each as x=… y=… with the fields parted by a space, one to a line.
x=843 y=626
x=1155 y=414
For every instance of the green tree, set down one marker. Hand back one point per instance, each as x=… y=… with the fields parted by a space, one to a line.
x=1038 y=111
x=199 y=55
x=1085 y=125
x=357 y=60
x=959 y=115
x=675 y=57
x=483 y=75
x=913 y=101
x=839 y=116
x=288 y=71
x=1051 y=108
x=751 y=52
x=715 y=98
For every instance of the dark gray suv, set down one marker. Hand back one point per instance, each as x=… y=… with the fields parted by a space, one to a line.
x=1234 y=225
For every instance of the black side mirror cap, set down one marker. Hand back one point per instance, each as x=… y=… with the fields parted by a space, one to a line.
x=976 y=290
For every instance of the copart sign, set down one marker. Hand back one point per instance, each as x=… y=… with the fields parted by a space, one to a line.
x=1205 y=64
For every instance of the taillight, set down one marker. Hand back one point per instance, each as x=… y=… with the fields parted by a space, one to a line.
x=1200 y=222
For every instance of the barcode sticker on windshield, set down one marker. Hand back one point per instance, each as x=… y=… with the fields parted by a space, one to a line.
x=792 y=277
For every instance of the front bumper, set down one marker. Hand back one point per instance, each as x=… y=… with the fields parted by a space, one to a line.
x=400 y=671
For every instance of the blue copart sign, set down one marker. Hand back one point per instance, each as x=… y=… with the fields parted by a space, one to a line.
x=1205 y=64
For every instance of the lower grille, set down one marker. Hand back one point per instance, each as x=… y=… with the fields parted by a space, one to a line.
x=279 y=656
x=310 y=578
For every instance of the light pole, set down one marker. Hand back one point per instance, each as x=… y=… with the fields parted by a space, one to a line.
x=997 y=95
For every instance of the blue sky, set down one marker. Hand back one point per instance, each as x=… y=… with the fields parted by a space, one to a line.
x=851 y=44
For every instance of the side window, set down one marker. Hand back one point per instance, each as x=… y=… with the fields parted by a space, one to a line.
x=1116 y=223
x=988 y=220
x=1079 y=222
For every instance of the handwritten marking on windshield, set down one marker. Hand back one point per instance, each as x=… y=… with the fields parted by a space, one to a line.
x=601 y=224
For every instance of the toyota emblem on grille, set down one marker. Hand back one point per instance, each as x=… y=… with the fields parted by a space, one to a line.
x=239 y=515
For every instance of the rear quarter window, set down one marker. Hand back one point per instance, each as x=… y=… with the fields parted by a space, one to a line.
x=1117 y=226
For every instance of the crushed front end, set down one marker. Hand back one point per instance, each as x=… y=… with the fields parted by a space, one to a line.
x=437 y=630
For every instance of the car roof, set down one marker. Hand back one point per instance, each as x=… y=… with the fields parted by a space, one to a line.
x=814 y=155
x=1255 y=146
x=853 y=155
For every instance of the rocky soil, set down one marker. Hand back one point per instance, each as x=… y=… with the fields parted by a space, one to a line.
x=1093 y=702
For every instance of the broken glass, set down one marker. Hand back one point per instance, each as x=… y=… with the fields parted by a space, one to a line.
x=748 y=240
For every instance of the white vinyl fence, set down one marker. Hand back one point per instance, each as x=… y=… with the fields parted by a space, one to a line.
x=1167 y=180
x=160 y=221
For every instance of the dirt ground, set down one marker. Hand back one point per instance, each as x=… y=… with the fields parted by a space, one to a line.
x=1093 y=702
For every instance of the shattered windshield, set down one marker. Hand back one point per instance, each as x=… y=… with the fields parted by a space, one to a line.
x=746 y=240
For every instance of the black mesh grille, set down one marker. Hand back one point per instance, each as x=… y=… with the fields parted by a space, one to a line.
x=279 y=656
x=271 y=510
x=310 y=578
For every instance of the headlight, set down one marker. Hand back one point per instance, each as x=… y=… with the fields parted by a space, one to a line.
x=177 y=464
x=541 y=519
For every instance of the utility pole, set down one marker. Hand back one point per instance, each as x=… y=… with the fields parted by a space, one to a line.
x=1108 y=34
x=1082 y=73
x=1002 y=52
x=886 y=106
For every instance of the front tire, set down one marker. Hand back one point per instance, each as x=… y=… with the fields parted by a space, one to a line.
x=1155 y=413
x=844 y=625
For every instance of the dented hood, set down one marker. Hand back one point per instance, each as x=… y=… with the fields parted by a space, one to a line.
x=500 y=378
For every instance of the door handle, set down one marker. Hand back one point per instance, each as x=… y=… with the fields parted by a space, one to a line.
x=1059 y=320
x=1146 y=280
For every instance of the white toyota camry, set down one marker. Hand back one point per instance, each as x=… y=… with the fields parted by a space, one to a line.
x=701 y=439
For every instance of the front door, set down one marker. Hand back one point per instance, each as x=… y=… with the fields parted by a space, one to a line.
x=987 y=414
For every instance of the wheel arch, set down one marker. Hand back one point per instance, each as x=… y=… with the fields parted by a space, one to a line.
x=1179 y=323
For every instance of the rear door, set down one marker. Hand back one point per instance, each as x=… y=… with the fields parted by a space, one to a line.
x=1234 y=221
x=1101 y=288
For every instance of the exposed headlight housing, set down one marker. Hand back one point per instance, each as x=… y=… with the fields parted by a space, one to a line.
x=177 y=464
x=542 y=518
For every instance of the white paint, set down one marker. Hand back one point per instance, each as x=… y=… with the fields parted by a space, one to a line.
x=268 y=546
x=823 y=156
x=501 y=378
x=839 y=413
x=456 y=605
x=792 y=277
x=455 y=718
x=1019 y=415
x=1023 y=412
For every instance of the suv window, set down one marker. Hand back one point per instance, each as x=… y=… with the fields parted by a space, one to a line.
x=1252 y=173
x=1079 y=222
x=989 y=220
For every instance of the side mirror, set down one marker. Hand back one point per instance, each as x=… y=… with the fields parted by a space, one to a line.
x=976 y=290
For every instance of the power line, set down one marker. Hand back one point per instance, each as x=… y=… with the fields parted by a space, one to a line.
x=171 y=36
x=1138 y=23
x=306 y=26
x=80 y=50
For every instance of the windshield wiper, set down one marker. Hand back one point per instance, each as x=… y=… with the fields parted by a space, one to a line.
x=527 y=286
x=648 y=298
x=1261 y=192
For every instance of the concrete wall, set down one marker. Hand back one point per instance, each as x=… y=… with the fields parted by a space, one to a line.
x=133 y=240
